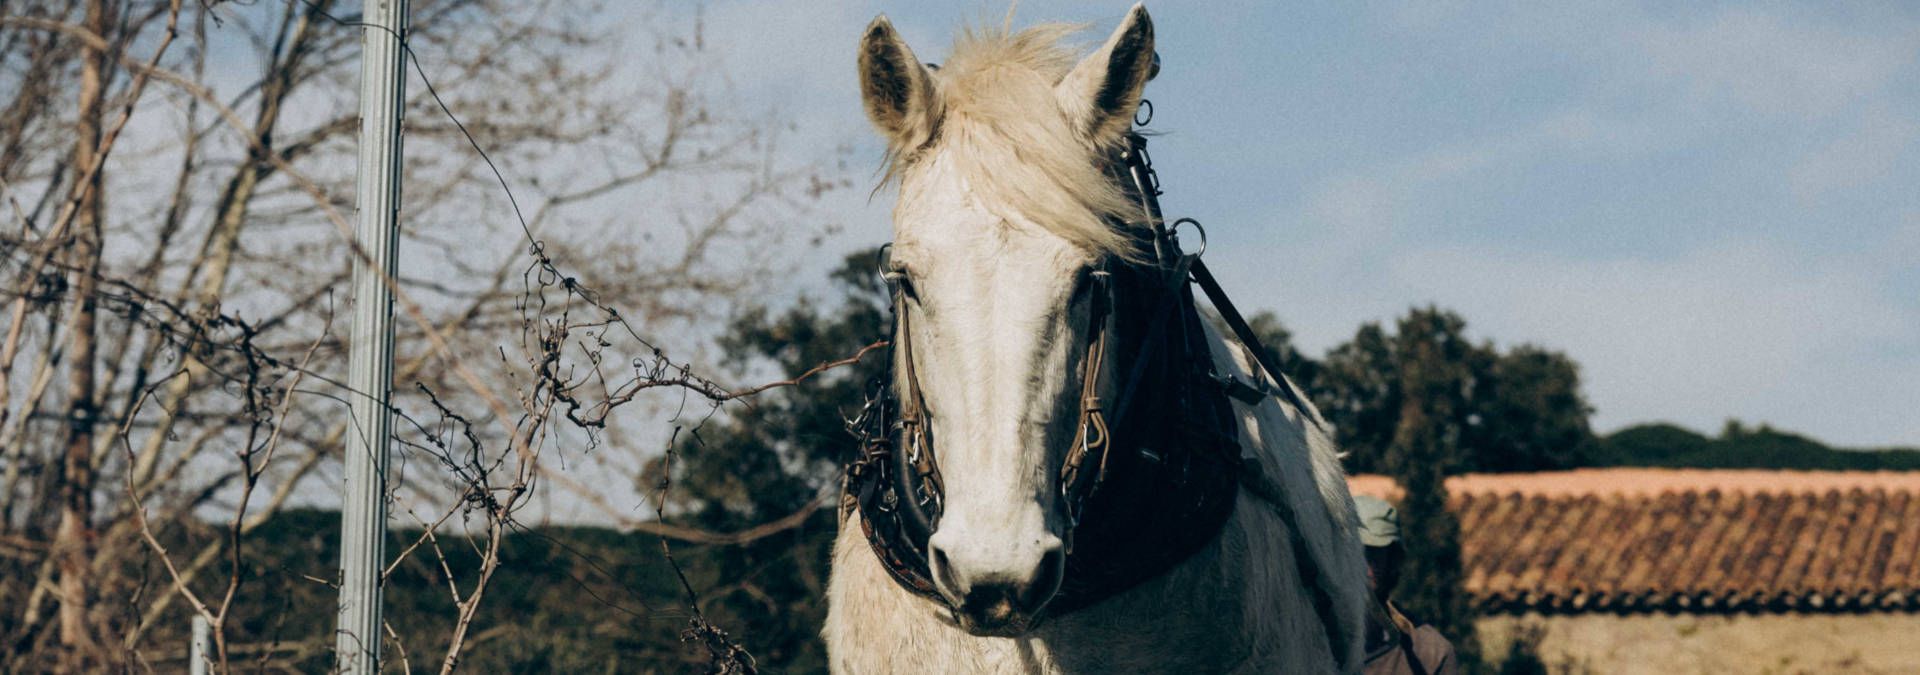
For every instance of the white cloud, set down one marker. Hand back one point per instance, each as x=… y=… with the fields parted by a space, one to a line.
x=1796 y=123
x=1864 y=155
x=1773 y=63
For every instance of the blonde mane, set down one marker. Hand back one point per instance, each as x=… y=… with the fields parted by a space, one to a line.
x=1002 y=126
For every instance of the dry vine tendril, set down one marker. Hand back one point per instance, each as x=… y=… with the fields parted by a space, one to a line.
x=216 y=404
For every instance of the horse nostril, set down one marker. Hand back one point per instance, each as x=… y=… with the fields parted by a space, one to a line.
x=995 y=587
x=1045 y=580
x=943 y=576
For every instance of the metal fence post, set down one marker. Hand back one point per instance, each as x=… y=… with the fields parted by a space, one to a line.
x=363 y=513
x=197 y=651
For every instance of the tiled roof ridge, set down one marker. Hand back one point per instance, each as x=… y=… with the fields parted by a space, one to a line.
x=1687 y=540
x=1654 y=482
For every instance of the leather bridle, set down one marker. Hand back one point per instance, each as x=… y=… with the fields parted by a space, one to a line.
x=896 y=483
x=918 y=474
x=1170 y=479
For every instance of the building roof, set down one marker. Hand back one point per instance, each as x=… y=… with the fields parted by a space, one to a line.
x=1686 y=540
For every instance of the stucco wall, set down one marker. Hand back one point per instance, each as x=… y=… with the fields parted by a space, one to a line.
x=1660 y=643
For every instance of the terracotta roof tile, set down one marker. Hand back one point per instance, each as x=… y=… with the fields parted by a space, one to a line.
x=1695 y=540
x=1902 y=571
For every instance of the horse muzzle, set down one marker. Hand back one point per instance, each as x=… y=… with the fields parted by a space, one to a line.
x=998 y=592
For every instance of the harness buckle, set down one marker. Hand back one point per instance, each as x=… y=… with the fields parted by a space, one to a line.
x=1240 y=390
x=1174 y=232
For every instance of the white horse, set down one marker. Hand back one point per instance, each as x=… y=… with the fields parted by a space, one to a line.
x=1003 y=206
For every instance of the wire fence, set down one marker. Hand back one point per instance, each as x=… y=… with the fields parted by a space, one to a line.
x=478 y=441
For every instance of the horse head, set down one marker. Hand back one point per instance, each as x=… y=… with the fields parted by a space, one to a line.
x=1007 y=215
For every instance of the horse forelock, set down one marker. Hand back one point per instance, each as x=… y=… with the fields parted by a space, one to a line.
x=1003 y=129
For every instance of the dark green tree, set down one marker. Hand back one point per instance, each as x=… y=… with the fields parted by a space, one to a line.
x=1363 y=387
x=1438 y=370
x=1743 y=447
x=1529 y=415
x=779 y=454
x=1277 y=342
x=775 y=452
x=1517 y=411
x=1359 y=391
x=1654 y=444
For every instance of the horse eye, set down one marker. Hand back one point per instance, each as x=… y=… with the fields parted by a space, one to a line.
x=1082 y=282
x=902 y=279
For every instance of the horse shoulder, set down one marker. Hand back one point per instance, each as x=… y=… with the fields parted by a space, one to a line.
x=1292 y=462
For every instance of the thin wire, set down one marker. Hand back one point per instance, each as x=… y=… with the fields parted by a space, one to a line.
x=414 y=58
x=545 y=262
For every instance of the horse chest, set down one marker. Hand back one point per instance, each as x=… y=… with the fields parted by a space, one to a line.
x=1226 y=608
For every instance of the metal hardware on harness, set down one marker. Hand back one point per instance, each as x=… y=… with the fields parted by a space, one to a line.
x=1143 y=492
x=1140 y=166
x=1175 y=232
x=1147 y=184
x=1148 y=478
x=1242 y=391
x=1238 y=324
x=1323 y=605
x=883 y=266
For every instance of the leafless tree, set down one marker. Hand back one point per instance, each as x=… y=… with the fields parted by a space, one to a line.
x=174 y=178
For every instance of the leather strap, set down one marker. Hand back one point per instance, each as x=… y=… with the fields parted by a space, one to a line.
x=1238 y=324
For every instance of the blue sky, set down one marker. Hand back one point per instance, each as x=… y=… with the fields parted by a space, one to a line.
x=1714 y=208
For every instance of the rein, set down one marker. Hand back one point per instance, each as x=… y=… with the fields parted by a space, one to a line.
x=1149 y=490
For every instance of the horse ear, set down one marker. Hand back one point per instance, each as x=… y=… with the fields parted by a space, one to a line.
x=897 y=89
x=1101 y=93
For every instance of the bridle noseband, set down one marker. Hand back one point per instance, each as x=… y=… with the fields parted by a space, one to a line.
x=914 y=469
x=1142 y=494
x=896 y=484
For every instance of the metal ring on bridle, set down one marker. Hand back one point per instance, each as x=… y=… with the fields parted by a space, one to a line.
x=881 y=266
x=1146 y=107
x=1175 y=230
